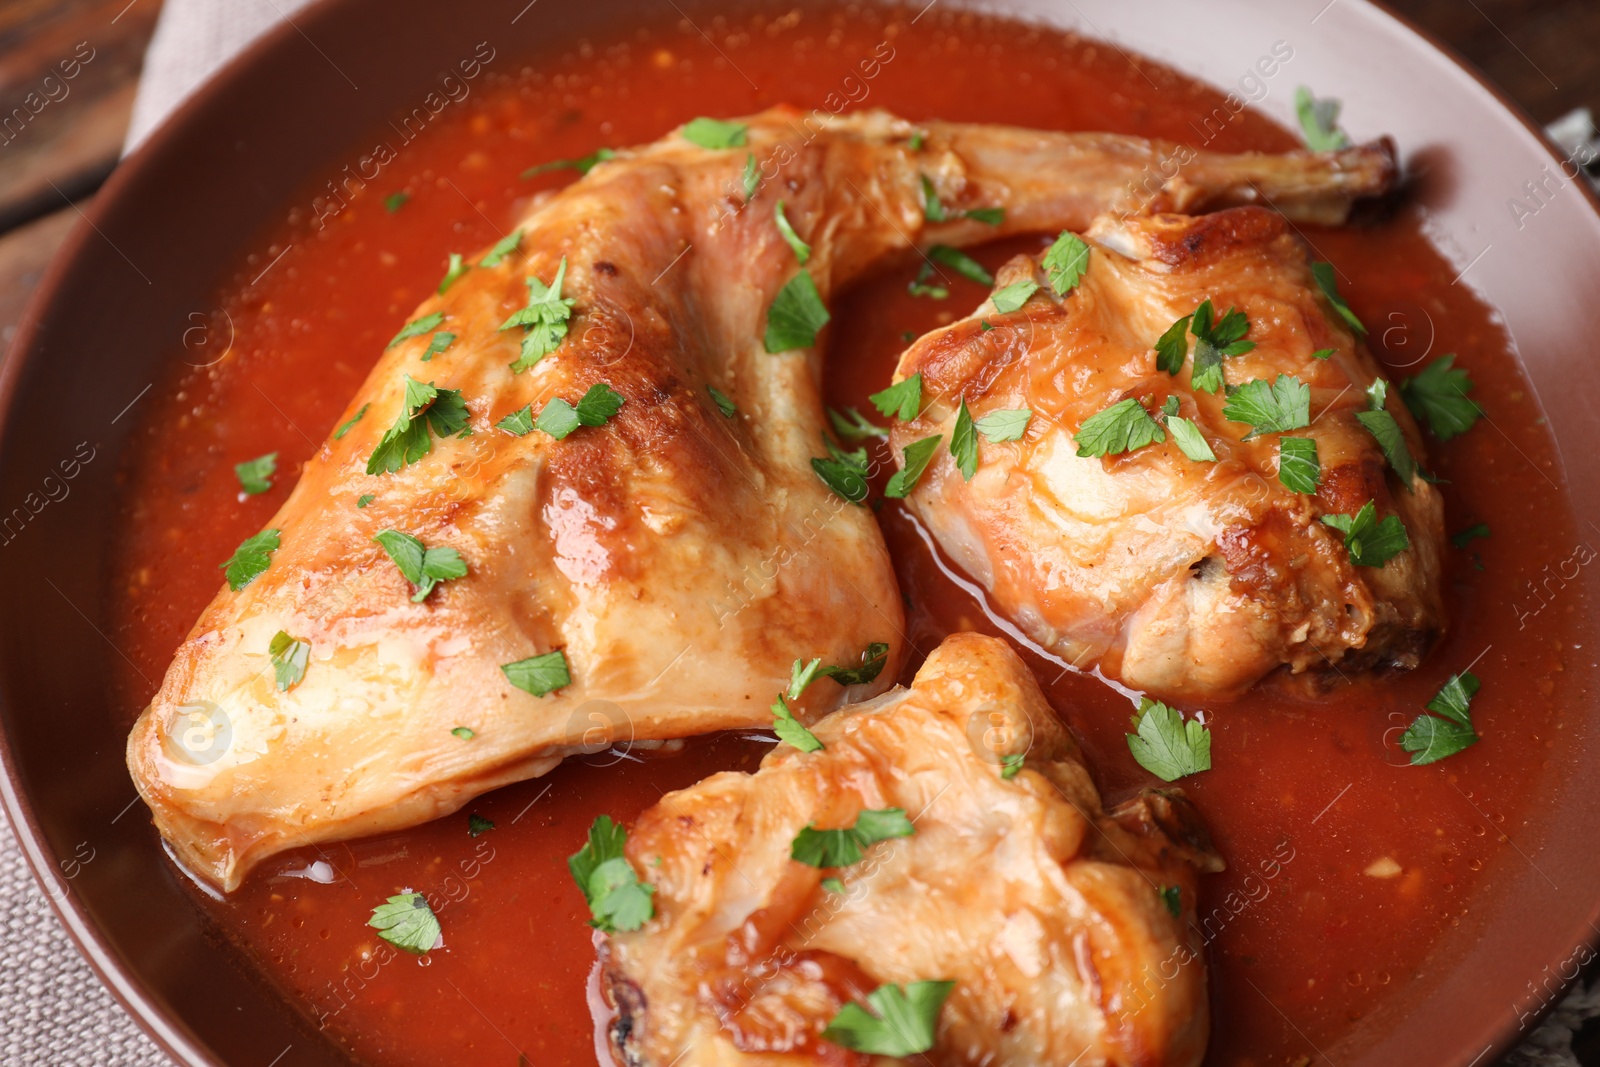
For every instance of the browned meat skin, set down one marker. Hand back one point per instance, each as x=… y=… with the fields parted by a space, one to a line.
x=681 y=559
x=1181 y=578
x=1046 y=911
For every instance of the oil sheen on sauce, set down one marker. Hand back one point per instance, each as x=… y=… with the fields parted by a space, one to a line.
x=1345 y=865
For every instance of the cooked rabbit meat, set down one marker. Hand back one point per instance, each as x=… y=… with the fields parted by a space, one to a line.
x=1178 y=576
x=671 y=559
x=1052 y=917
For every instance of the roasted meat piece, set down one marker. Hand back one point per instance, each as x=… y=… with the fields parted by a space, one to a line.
x=1067 y=931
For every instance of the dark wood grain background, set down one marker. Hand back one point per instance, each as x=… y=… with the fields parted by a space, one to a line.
x=1544 y=53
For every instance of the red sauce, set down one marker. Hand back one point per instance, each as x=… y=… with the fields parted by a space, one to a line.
x=1302 y=948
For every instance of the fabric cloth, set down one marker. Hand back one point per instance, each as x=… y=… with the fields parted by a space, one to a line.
x=53 y=1010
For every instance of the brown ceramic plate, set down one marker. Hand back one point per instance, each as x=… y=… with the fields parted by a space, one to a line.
x=177 y=215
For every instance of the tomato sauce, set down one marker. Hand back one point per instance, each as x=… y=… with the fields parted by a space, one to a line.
x=1345 y=865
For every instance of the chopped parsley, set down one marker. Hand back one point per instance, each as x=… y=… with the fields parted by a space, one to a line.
x=802 y=251
x=833 y=885
x=902 y=400
x=851 y=425
x=1322 y=353
x=1190 y=441
x=916 y=457
x=1122 y=427
x=1005 y=425
x=1065 y=261
x=1166 y=745
x=873 y=658
x=917 y=140
x=1448 y=730
x=583 y=164
x=477 y=825
x=791 y=730
x=724 y=402
x=1172 y=897
x=1438 y=396
x=346 y=428
x=415 y=328
x=289 y=656
x=752 y=177
x=395 y=201
x=438 y=345
x=544 y=320
x=519 y=423
x=714 y=133
x=1011 y=297
x=504 y=247
x=919 y=286
x=457 y=268
x=1370 y=543
x=1214 y=339
x=1469 y=535
x=407 y=923
x=903 y=1021
x=617 y=899
x=1381 y=425
x=255 y=475
x=364 y=499
x=961 y=263
x=796 y=314
x=425 y=408
x=1270 y=407
x=1323 y=273
x=466 y=733
x=934 y=210
x=1319 y=121
x=843 y=472
x=540 y=674
x=594 y=408
x=841 y=848
x=1011 y=765
x=992 y=216
x=1299 y=469
x=423 y=567
x=1172 y=346
x=250 y=559
x=964 y=443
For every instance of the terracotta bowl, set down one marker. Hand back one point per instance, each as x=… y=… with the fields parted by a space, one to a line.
x=171 y=221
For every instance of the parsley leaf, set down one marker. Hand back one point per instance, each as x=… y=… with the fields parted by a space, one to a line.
x=1371 y=543
x=544 y=320
x=961 y=263
x=1166 y=745
x=1214 y=339
x=844 y=472
x=872 y=660
x=346 y=428
x=1438 y=396
x=502 y=248
x=407 y=923
x=802 y=251
x=415 y=327
x=715 y=134
x=1122 y=427
x=1172 y=897
x=423 y=567
x=289 y=656
x=1470 y=534
x=920 y=287
x=854 y=426
x=1005 y=425
x=796 y=314
x=1270 y=407
x=1013 y=296
x=594 y=408
x=833 y=885
x=466 y=733
x=425 y=408
x=916 y=141
x=932 y=209
x=255 y=475
x=841 y=848
x=364 y=499
x=916 y=457
x=250 y=559
x=964 y=443
x=395 y=201
x=583 y=165
x=752 y=177
x=1172 y=346
x=791 y=730
x=617 y=899
x=902 y=400
x=539 y=674
x=519 y=423
x=1322 y=353
x=992 y=216
x=1299 y=469
x=1065 y=261
x=1323 y=273
x=1448 y=730
x=457 y=268
x=1011 y=765
x=1319 y=121
x=724 y=403
x=438 y=345
x=906 y=1020
x=1190 y=441
x=477 y=825
x=1381 y=425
